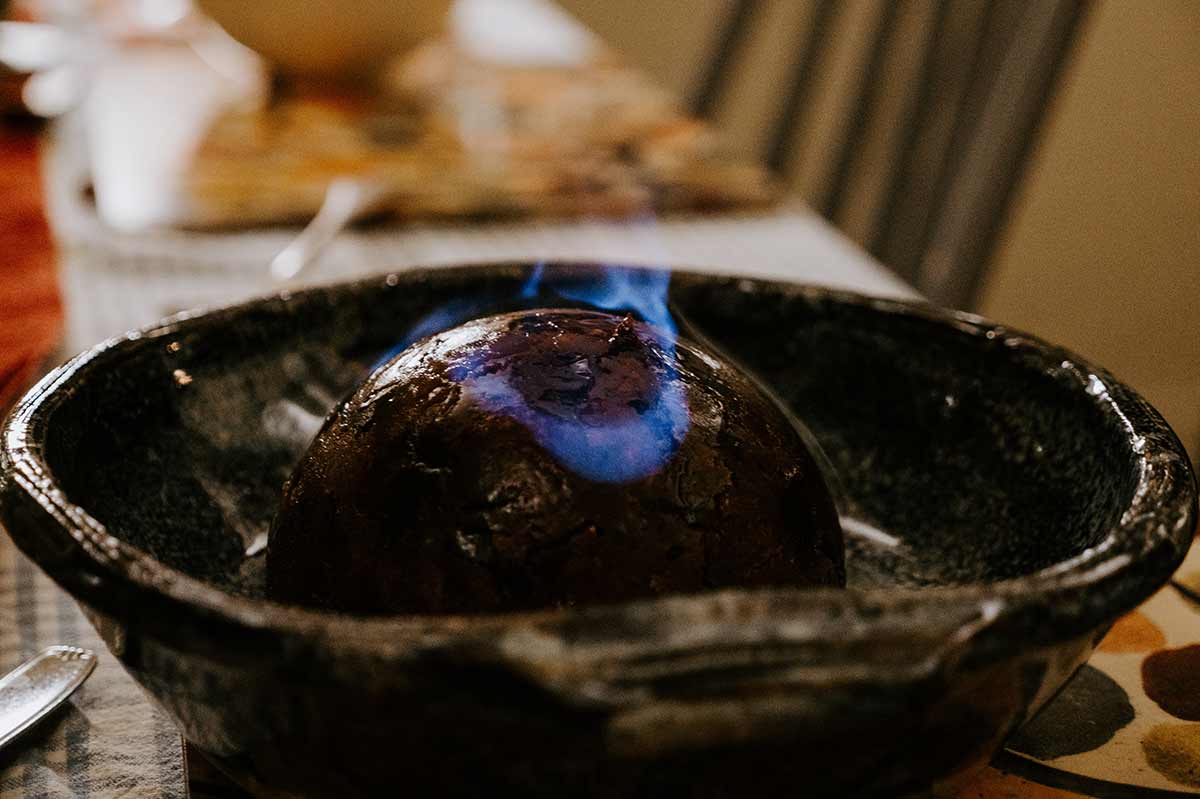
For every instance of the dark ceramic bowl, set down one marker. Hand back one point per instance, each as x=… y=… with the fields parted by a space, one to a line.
x=1008 y=501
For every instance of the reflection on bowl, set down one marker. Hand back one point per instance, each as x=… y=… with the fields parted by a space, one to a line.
x=1008 y=502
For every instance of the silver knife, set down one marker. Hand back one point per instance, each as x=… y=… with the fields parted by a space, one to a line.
x=30 y=691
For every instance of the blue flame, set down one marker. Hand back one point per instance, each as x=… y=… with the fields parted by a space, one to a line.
x=603 y=450
x=621 y=288
x=454 y=312
x=534 y=284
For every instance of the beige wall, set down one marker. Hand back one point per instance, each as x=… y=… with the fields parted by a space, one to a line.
x=1102 y=251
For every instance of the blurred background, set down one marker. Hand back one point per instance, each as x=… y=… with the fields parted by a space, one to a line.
x=1100 y=249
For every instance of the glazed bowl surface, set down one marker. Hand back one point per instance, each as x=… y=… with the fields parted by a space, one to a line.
x=327 y=40
x=1004 y=502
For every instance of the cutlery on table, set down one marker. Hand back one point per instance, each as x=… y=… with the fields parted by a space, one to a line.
x=32 y=690
x=346 y=200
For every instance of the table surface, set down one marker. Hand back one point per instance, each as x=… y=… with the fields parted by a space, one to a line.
x=111 y=742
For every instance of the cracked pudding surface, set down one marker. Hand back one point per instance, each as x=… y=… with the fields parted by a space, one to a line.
x=545 y=459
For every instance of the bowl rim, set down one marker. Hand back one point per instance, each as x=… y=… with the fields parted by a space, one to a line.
x=1136 y=556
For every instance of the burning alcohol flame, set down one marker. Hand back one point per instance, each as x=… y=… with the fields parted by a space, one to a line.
x=610 y=448
x=616 y=288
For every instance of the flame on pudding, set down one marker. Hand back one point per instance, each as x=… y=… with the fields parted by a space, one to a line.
x=550 y=458
x=577 y=400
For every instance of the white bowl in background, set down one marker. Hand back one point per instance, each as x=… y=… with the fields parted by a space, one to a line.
x=329 y=38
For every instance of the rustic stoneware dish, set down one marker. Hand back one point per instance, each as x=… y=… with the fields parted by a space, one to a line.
x=1005 y=502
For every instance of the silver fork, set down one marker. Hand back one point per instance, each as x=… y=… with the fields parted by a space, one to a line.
x=346 y=200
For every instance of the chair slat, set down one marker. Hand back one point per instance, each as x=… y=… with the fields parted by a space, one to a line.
x=873 y=159
x=780 y=154
x=749 y=106
x=957 y=47
x=829 y=109
x=730 y=39
x=870 y=83
x=905 y=123
x=993 y=159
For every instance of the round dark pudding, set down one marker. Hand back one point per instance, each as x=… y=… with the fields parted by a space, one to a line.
x=550 y=458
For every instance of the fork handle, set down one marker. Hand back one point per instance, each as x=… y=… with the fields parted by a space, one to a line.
x=346 y=200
